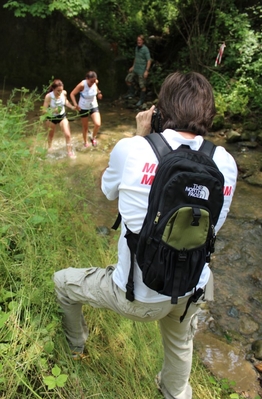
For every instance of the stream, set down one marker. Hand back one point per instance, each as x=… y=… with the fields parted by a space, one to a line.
x=229 y=325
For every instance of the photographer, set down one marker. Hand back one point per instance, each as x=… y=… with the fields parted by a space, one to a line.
x=186 y=110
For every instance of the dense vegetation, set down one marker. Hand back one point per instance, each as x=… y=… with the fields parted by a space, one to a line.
x=47 y=224
x=184 y=35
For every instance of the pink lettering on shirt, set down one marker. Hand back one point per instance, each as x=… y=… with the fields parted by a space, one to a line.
x=228 y=190
x=148 y=180
x=149 y=168
x=149 y=173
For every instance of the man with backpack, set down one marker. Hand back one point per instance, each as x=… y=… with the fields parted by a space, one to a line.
x=185 y=112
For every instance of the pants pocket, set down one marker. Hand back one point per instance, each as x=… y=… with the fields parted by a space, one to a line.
x=76 y=276
x=193 y=326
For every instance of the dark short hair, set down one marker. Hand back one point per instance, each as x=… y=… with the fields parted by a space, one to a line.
x=91 y=75
x=186 y=102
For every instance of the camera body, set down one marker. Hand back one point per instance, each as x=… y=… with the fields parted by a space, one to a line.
x=156 y=122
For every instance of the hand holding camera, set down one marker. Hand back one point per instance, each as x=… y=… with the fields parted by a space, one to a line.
x=143 y=122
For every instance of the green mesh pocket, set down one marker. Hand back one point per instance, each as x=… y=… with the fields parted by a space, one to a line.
x=179 y=232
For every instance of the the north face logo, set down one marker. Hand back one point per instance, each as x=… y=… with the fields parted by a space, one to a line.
x=198 y=191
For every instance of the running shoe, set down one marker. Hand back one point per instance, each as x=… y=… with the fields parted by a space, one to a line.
x=94 y=142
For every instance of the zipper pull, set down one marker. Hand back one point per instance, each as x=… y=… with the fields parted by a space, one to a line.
x=213 y=240
x=157 y=217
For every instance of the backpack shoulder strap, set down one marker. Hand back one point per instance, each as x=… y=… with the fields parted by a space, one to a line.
x=208 y=148
x=159 y=144
x=161 y=147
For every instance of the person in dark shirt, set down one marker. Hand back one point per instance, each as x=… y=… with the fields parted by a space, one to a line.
x=139 y=70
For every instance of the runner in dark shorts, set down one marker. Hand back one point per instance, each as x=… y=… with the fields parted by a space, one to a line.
x=87 y=105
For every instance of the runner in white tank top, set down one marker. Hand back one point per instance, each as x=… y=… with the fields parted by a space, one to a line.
x=54 y=107
x=88 y=105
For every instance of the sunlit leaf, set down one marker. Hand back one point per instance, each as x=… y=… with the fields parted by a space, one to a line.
x=61 y=380
x=50 y=381
x=56 y=371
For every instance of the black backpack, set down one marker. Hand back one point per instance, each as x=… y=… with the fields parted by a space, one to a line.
x=178 y=233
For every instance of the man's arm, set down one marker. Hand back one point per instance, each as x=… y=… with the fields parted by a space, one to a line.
x=148 y=65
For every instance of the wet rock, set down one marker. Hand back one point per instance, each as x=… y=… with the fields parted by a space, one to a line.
x=255 y=179
x=259 y=367
x=233 y=136
x=257 y=349
x=228 y=362
x=245 y=136
x=233 y=312
x=247 y=325
x=248 y=144
x=215 y=327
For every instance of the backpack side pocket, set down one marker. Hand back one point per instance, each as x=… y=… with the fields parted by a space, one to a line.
x=187 y=228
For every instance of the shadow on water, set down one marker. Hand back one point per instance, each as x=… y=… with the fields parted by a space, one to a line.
x=230 y=324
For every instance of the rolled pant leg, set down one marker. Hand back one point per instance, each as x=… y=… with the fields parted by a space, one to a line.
x=178 y=350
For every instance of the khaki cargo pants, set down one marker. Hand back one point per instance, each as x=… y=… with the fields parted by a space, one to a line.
x=95 y=286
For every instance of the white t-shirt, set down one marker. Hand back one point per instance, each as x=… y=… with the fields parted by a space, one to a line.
x=88 y=99
x=128 y=177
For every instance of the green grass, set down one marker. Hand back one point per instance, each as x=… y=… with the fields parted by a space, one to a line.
x=46 y=226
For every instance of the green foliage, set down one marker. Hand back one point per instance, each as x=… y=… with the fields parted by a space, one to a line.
x=21 y=9
x=225 y=387
x=43 y=8
x=56 y=379
x=242 y=65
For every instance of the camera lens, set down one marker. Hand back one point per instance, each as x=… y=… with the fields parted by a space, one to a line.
x=156 y=123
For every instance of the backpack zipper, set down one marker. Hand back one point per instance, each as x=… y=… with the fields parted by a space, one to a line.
x=157 y=217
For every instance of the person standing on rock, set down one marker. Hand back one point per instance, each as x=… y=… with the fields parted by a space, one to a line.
x=186 y=105
x=139 y=71
x=87 y=105
x=54 y=107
